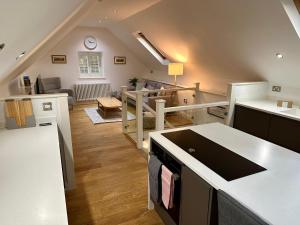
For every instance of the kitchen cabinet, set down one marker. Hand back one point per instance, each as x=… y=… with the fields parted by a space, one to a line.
x=276 y=129
x=285 y=132
x=252 y=121
x=196 y=200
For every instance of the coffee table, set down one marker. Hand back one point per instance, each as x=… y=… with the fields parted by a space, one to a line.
x=108 y=104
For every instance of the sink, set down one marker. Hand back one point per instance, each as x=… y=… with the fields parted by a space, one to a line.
x=292 y=112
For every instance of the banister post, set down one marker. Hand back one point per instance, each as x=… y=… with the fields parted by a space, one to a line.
x=197 y=100
x=160 y=114
x=197 y=93
x=124 y=109
x=139 y=120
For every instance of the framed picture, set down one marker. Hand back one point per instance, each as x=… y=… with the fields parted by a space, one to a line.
x=59 y=59
x=120 y=60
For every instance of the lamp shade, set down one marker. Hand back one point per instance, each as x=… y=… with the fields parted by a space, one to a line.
x=175 y=69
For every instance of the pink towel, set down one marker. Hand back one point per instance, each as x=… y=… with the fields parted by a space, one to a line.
x=167 y=183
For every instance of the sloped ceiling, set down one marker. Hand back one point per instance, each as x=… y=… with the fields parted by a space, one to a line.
x=25 y=24
x=219 y=41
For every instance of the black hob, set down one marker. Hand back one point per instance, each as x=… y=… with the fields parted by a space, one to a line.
x=222 y=161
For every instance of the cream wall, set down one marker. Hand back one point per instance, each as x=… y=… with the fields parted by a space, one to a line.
x=4 y=90
x=108 y=44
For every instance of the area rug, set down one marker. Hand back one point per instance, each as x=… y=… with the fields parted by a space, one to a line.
x=96 y=118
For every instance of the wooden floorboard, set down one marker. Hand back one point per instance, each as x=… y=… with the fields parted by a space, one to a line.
x=111 y=176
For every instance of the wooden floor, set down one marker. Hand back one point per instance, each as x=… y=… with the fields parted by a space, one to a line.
x=111 y=176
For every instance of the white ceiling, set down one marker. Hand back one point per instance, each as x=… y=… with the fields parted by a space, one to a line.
x=24 y=24
x=109 y=12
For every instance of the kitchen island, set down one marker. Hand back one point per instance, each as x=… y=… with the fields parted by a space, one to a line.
x=271 y=194
x=32 y=187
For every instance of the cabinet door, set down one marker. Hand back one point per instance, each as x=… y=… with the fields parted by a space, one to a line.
x=285 y=132
x=252 y=121
x=195 y=199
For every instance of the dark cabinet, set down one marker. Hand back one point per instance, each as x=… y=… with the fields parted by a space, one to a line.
x=276 y=129
x=285 y=132
x=252 y=121
x=196 y=199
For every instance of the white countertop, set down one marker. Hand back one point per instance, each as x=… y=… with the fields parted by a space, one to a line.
x=31 y=189
x=266 y=105
x=272 y=194
x=35 y=96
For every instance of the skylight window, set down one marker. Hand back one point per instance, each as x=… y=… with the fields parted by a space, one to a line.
x=151 y=48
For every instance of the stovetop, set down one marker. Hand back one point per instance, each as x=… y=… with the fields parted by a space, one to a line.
x=221 y=160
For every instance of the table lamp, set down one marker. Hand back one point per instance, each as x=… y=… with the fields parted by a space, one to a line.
x=175 y=69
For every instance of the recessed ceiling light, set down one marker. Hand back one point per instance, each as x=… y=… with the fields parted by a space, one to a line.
x=21 y=55
x=279 y=56
x=2 y=46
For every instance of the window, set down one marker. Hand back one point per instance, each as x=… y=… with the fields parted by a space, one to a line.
x=151 y=48
x=90 y=64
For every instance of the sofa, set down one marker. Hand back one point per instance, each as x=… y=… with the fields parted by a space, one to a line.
x=52 y=85
x=170 y=96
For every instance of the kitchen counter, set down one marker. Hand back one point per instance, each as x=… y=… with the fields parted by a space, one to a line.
x=272 y=194
x=268 y=106
x=32 y=188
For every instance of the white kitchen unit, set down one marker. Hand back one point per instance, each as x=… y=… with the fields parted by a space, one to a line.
x=270 y=106
x=32 y=187
x=272 y=194
x=52 y=108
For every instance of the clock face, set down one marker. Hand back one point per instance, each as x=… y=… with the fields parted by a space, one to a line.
x=90 y=42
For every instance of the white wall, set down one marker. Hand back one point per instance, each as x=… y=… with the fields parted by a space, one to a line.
x=108 y=44
x=287 y=93
x=4 y=90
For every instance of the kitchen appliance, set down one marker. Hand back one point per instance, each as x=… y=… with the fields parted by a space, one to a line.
x=221 y=160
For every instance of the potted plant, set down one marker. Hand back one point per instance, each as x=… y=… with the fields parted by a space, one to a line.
x=133 y=82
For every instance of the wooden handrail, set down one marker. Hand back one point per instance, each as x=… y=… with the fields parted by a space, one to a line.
x=197 y=106
x=130 y=95
x=161 y=90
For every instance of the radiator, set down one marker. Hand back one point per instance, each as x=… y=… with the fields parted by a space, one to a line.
x=89 y=91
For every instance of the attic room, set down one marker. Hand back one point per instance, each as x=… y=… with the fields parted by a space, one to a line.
x=149 y=112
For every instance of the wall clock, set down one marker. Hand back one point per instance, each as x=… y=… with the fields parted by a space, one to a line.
x=90 y=42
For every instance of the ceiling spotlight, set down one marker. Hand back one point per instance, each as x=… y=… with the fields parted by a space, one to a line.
x=279 y=56
x=21 y=55
x=2 y=46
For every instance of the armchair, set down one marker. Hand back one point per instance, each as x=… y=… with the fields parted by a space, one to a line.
x=53 y=85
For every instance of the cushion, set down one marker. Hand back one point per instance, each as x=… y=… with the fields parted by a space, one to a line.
x=145 y=89
x=139 y=85
x=150 y=87
x=51 y=83
x=162 y=93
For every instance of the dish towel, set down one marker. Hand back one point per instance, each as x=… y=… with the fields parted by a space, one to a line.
x=167 y=183
x=154 y=170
